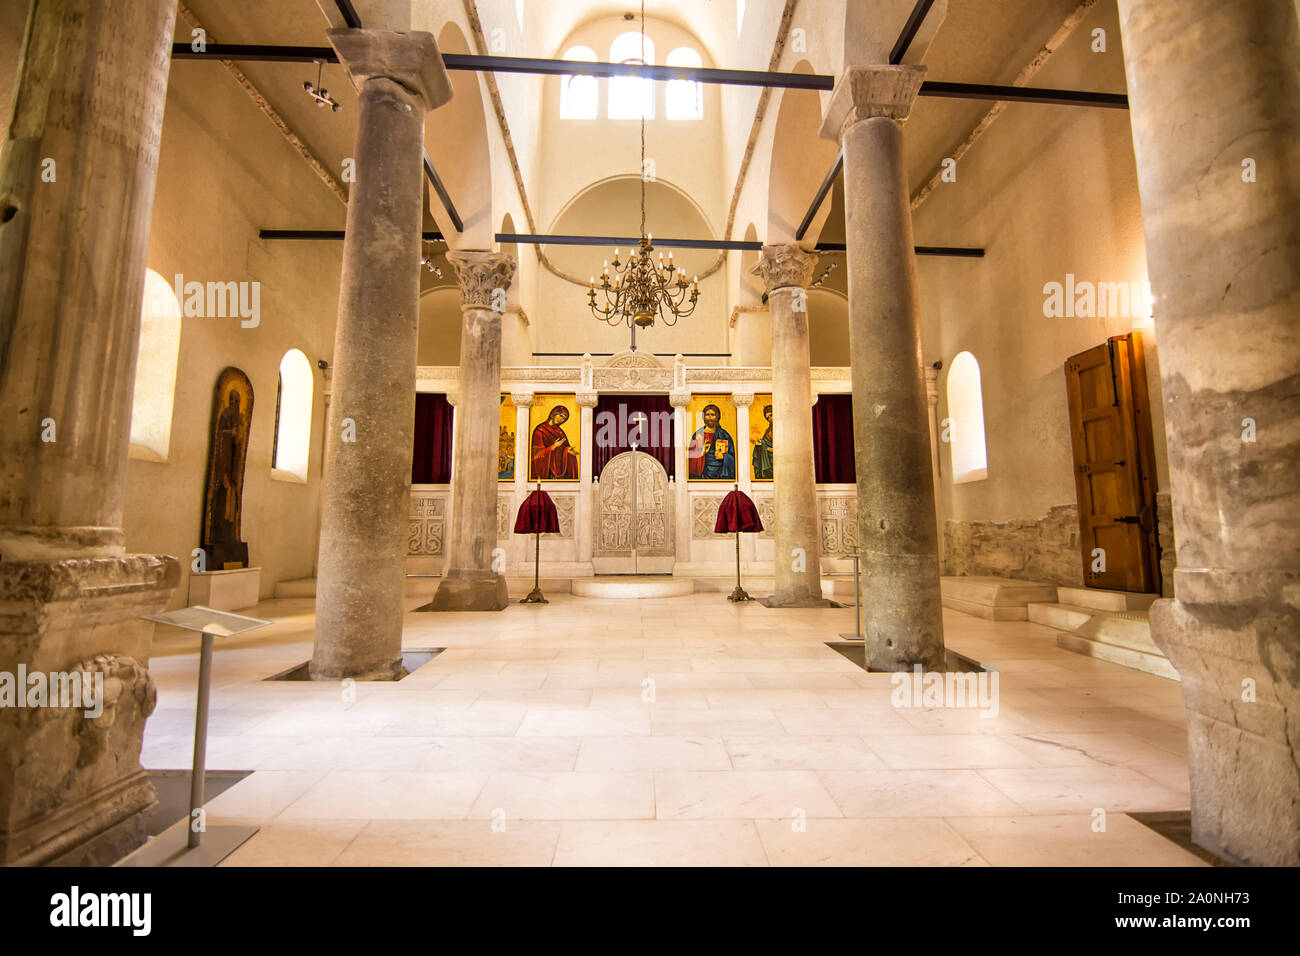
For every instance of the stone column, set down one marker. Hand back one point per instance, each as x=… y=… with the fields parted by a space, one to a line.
x=77 y=173
x=679 y=398
x=367 y=479
x=470 y=582
x=582 y=517
x=744 y=401
x=1216 y=129
x=898 y=537
x=786 y=271
x=520 y=550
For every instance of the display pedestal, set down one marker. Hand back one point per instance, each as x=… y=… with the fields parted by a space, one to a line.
x=231 y=590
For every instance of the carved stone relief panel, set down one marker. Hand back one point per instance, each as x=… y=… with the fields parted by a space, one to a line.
x=766 y=505
x=839 y=524
x=503 y=517
x=632 y=513
x=566 y=507
x=428 y=521
x=704 y=516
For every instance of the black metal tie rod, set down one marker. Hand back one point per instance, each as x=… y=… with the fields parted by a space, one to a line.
x=522 y=238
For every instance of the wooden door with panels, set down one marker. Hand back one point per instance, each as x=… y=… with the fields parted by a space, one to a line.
x=1114 y=465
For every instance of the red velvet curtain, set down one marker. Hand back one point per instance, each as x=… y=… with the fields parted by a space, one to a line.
x=833 y=439
x=618 y=416
x=431 y=454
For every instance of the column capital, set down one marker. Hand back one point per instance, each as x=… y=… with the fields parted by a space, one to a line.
x=410 y=60
x=522 y=399
x=932 y=385
x=871 y=91
x=784 y=267
x=742 y=399
x=679 y=399
x=483 y=277
x=587 y=399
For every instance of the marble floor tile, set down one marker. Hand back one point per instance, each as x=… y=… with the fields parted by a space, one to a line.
x=452 y=843
x=1070 y=840
x=660 y=843
x=743 y=794
x=567 y=796
x=897 y=841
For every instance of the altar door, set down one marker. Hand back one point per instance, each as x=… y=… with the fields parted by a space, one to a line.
x=633 y=522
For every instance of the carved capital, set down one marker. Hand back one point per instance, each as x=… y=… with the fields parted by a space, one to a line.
x=785 y=267
x=679 y=399
x=870 y=91
x=931 y=385
x=587 y=399
x=484 y=278
x=742 y=399
x=522 y=399
x=411 y=60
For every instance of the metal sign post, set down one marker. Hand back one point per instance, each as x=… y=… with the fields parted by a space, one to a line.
x=857 y=604
x=181 y=844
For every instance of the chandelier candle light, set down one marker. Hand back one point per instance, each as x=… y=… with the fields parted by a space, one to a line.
x=642 y=288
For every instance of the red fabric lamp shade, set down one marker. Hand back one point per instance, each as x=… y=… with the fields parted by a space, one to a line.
x=537 y=515
x=737 y=513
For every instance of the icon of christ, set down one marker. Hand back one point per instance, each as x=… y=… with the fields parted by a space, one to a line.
x=713 y=451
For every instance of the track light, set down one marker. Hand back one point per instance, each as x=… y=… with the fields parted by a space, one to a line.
x=321 y=96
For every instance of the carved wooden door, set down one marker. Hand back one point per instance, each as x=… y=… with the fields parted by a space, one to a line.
x=1114 y=465
x=633 y=526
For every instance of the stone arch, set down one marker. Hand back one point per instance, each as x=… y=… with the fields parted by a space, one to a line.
x=456 y=138
x=800 y=159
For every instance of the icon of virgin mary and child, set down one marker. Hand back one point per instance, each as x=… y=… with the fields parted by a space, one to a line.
x=713 y=451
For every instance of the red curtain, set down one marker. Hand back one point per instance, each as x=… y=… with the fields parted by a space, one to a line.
x=431 y=454
x=833 y=439
x=618 y=414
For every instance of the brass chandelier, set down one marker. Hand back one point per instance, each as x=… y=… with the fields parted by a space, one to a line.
x=642 y=288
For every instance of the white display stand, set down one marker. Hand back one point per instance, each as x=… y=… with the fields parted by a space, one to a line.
x=231 y=590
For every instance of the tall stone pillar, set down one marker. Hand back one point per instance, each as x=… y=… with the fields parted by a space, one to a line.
x=897 y=537
x=361 y=563
x=470 y=583
x=77 y=173
x=1216 y=128
x=786 y=271
x=679 y=398
x=582 y=519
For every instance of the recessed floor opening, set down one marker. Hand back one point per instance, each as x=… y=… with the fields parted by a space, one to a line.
x=856 y=651
x=412 y=660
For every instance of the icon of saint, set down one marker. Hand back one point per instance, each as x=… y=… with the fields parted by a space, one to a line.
x=763 y=449
x=552 y=455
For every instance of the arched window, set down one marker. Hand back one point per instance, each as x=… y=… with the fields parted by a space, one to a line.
x=293 y=415
x=685 y=98
x=631 y=97
x=579 y=94
x=970 y=460
x=740 y=17
x=155 y=370
x=519 y=12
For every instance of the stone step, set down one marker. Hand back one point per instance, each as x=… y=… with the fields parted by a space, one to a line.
x=1155 y=663
x=1131 y=629
x=1063 y=617
x=994 y=598
x=1105 y=600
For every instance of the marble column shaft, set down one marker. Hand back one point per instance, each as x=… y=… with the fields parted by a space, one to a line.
x=786 y=271
x=470 y=582
x=898 y=537
x=77 y=173
x=1214 y=90
x=367 y=480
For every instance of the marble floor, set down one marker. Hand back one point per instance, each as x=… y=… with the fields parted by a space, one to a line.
x=676 y=731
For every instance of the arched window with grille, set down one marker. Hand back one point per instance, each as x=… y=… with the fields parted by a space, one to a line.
x=631 y=97
x=579 y=94
x=155 y=370
x=293 y=416
x=966 y=420
x=684 y=98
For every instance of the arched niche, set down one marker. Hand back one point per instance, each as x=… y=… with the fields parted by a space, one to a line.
x=456 y=138
x=440 y=324
x=800 y=159
x=155 y=370
x=828 y=328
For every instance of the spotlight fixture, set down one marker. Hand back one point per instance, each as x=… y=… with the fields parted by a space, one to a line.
x=427 y=262
x=825 y=272
x=321 y=96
